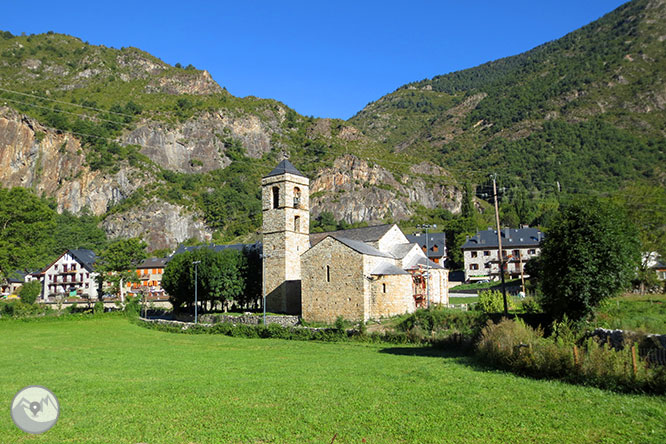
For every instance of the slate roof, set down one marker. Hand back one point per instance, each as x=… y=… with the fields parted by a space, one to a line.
x=401 y=250
x=511 y=237
x=153 y=262
x=414 y=264
x=385 y=268
x=361 y=247
x=364 y=234
x=438 y=239
x=85 y=257
x=285 y=167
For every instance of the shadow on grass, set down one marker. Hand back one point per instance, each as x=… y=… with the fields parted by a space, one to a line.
x=460 y=356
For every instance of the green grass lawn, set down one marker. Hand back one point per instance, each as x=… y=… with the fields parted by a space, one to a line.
x=646 y=313
x=470 y=300
x=121 y=383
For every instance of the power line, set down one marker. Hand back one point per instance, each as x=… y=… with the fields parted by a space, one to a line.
x=65 y=103
x=61 y=111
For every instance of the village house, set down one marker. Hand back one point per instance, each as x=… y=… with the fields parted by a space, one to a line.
x=12 y=285
x=481 y=255
x=150 y=273
x=359 y=274
x=71 y=275
x=433 y=245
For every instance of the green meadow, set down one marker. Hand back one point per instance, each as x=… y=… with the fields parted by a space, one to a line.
x=118 y=382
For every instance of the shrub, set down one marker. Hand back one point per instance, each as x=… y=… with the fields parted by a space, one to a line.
x=441 y=319
x=492 y=301
x=98 y=307
x=530 y=305
x=30 y=291
x=514 y=346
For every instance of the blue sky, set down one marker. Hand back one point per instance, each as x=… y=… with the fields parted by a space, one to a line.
x=326 y=59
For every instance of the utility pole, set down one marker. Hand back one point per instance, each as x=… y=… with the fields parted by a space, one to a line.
x=196 y=285
x=499 y=245
x=426 y=226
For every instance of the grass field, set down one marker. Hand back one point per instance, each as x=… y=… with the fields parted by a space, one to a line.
x=120 y=383
x=635 y=312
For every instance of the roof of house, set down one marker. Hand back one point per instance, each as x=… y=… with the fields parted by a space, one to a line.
x=153 y=262
x=284 y=167
x=384 y=269
x=237 y=247
x=433 y=239
x=361 y=247
x=85 y=257
x=363 y=234
x=511 y=237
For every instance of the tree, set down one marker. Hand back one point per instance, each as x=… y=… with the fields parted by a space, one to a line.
x=221 y=277
x=117 y=262
x=25 y=226
x=590 y=253
x=30 y=291
x=646 y=206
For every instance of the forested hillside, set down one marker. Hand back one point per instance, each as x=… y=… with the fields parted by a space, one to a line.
x=585 y=112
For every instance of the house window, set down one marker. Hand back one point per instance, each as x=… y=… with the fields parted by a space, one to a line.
x=64 y=268
x=384 y=288
x=435 y=248
x=487 y=265
x=73 y=267
x=516 y=253
x=276 y=197
x=531 y=251
x=328 y=273
x=473 y=266
x=297 y=197
x=297 y=224
x=473 y=253
x=486 y=253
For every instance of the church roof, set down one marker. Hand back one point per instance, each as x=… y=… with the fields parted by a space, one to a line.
x=412 y=265
x=364 y=234
x=361 y=247
x=285 y=167
x=387 y=269
x=401 y=250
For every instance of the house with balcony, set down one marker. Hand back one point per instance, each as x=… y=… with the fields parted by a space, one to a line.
x=72 y=275
x=481 y=254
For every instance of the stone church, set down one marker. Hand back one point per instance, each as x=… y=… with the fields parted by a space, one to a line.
x=359 y=274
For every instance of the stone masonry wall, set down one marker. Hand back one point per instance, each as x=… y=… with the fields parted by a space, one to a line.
x=324 y=301
x=391 y=295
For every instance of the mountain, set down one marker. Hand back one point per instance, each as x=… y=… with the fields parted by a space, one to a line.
x=166 y=153
x=586 y=110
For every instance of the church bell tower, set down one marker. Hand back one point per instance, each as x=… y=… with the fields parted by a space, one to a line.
x=285 y=197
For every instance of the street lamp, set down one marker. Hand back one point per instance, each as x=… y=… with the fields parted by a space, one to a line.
x=196 y=284
x=426 y=227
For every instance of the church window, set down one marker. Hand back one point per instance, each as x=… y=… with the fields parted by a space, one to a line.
x=328 y=273
x=297 y=224
x=297 y=197
x=276 y=197
x=384 y=288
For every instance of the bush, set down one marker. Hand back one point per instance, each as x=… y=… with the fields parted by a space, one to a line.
x=492 y=301
x=132 y=306
x=443 y=319
x=30 y=291
x=514 y=346
x=98 y=307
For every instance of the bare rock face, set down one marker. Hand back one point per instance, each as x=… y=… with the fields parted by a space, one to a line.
x=160 y=224
x=53 y=164
x=187 y=82
x=355 y=191
x=199 y=144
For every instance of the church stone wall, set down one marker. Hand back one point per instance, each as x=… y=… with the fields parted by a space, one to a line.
x=343 y=295
x=392 y=237
x=391 y=295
